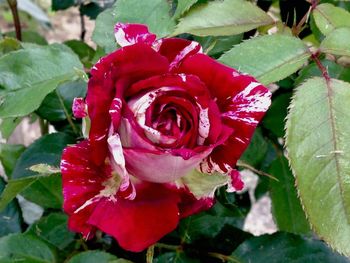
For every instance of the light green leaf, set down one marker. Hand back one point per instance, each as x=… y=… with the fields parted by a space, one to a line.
x=203 y=185
x=268 y=58
x=153 y=13
x=337 y=42
x=329 y=17
x=183 y=6
x=34 y=10
x=286 y=206
x=23 y=248
x=318 y=144
x=222 y=18
x=28 y=75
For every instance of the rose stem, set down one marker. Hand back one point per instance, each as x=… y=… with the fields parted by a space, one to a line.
x=69 y=118
x=16 y=21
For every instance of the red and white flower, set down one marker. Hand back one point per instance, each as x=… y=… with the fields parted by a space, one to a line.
x=168 y=124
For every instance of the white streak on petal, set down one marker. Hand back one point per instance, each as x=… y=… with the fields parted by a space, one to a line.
x=204 y=126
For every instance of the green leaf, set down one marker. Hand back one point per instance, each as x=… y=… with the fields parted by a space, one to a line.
x=46 y=191
x=175 y=257
x=91 y=10
x=53 y=229
x=8 y=125
x=23 y=248
x=28 y=75
x=52 y=109
x=203 y=185
x=13 y=188
x=29 y=37
x=334 y=70
x=93 y=257
x=318 y=141
x=268 y=58
x=216 y=46
x=153 y=13
x=9 y=44
x=337 y=42
x=286 y=206
x=9 y=153
x=256 y=151
x=183 y=6
x=276 y=114
x=222 y=18
x=61 y=4
x=83 y=50
x=11 y=217
x=34 y=10
x=285 y=247
x=329 y=17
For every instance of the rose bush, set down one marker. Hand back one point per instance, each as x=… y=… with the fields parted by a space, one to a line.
x=168 y=124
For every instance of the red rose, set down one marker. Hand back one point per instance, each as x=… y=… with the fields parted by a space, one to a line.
x=168 y=124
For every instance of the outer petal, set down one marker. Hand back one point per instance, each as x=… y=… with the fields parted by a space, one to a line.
x=128 y=34
x=242 y=102
x=136 y=224
x=110 y=77
x=81 y=180
x=177 y=49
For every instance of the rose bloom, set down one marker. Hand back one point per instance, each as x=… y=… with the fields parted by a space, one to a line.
x=168 y=124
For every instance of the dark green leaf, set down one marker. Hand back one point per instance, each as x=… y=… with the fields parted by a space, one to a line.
x=83 y=50
x=317 y=139
x=62 y=4
x=92 y=10
x=286 y=206
x=53 y=229
x=281 y=55
x=276 y=114
x=93 y=257
x=23 y=248
x=11 y=217
x=285 y=247
x=46 y=191
x=153 y=13
x=175 y=257
x=52 y=109
x=215 y=46
x=9 y=153
x=222 y=18
x=41 y=69
x=256 y=151
x=334 y=70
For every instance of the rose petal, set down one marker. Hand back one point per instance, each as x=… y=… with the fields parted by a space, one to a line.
x=141 y=222
x=110 y=77
x=177 y=49
x=128 y=34
x=242 y=102
x=79 y=108
x=168 y=166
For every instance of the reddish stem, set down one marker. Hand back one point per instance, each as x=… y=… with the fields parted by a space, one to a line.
x=16 y=21
x=322 y=68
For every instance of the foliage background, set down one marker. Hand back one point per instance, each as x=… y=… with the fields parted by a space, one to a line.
x=294 y=47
